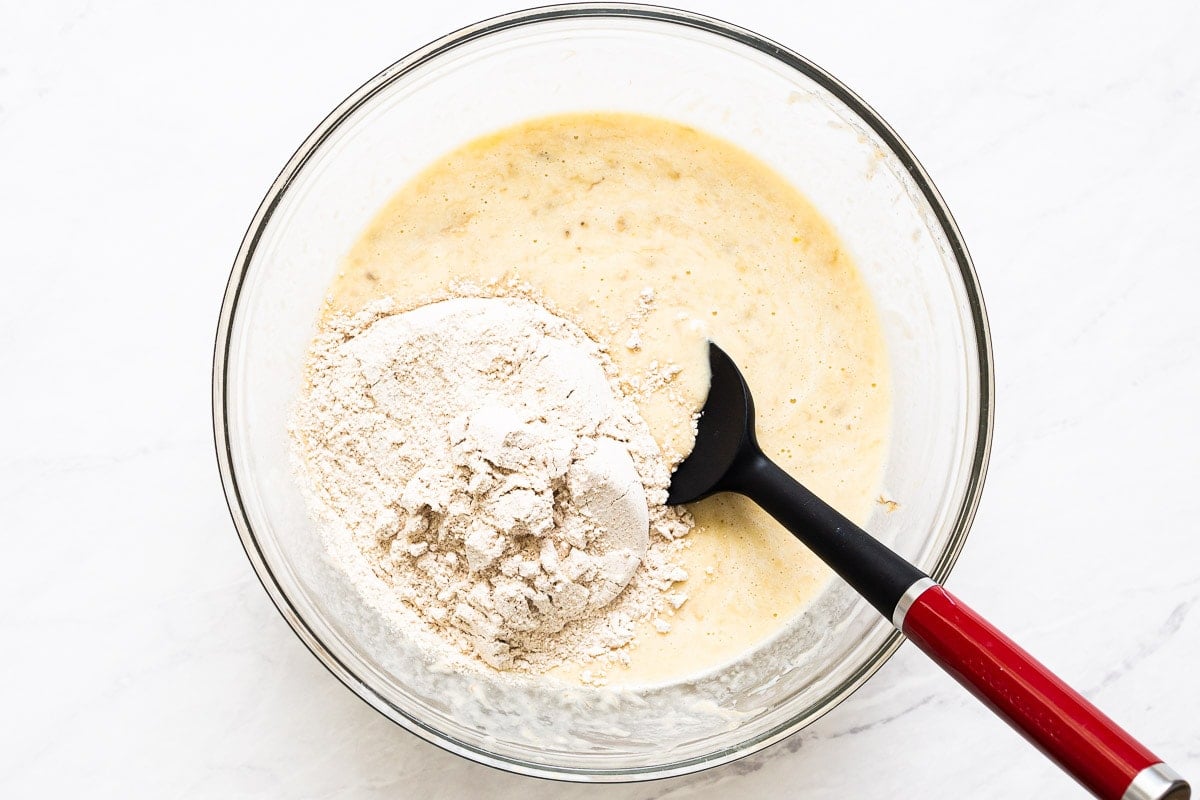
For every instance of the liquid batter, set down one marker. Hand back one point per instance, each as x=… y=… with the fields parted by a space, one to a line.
x=655 y=237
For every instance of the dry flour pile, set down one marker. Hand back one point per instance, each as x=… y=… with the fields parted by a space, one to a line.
x=477 y=455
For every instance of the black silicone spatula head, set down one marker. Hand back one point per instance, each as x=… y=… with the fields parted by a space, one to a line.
x=725 y=431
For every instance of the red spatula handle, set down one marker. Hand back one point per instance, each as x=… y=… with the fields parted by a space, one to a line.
x=1070 y=730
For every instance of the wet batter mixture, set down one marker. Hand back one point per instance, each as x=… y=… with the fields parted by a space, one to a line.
x=655 y=237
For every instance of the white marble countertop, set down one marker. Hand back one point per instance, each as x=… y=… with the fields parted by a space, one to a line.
x=141 y=658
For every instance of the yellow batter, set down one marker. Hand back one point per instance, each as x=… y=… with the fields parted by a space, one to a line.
x=655 y=237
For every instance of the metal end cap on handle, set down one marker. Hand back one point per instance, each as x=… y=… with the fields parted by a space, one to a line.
x=1158 y=782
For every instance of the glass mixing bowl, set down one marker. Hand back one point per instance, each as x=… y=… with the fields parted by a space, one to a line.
x=699 y=71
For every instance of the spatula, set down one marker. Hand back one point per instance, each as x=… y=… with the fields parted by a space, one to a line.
x=1058 y=720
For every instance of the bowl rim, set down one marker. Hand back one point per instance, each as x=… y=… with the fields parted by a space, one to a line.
x=532 y=16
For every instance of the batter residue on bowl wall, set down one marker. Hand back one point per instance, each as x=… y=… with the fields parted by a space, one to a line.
x=653 y=237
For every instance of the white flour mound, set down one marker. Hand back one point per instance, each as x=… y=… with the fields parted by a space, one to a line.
x=478 y=456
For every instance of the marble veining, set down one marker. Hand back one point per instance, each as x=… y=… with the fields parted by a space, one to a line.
x=142 y=658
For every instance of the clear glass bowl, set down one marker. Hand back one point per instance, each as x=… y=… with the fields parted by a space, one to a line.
x=699 y=71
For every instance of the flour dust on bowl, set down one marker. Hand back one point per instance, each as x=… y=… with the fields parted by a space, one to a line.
x=482 y=556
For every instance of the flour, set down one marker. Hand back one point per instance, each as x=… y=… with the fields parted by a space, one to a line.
x=481 y=459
